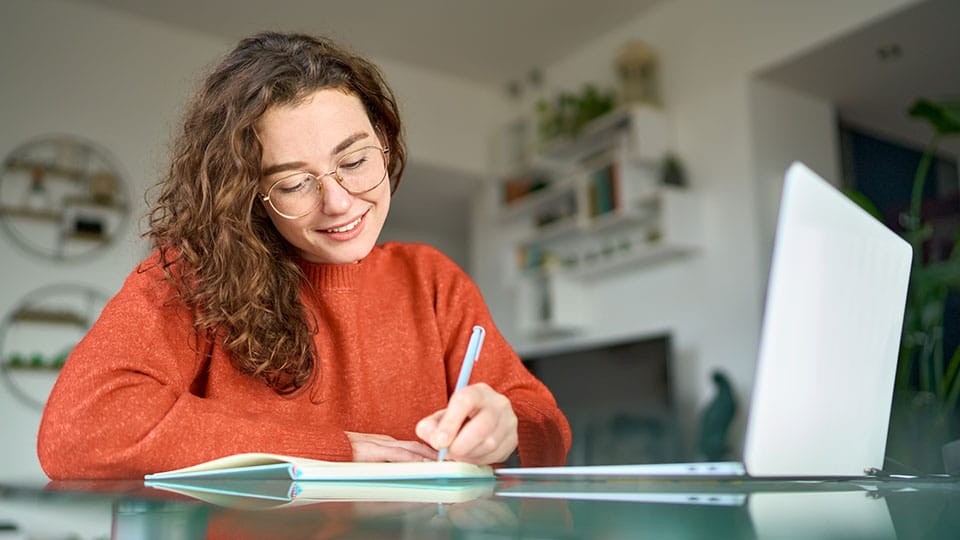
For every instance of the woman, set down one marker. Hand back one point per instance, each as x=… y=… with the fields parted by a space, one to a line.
x=267 y=320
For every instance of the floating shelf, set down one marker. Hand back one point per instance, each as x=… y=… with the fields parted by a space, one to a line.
x=39 y=315
x=52 y=169
x=647 y=125
x=552 y=194
x=594 y=134
x=605 y=208
x=32 y=213
x=27 y=368
x=76 y=200
x=87 y=237
x=636 y=257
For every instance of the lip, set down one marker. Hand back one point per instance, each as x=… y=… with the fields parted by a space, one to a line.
x=345 y=235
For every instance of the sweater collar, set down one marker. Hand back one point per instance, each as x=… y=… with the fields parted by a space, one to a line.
x=337 y=276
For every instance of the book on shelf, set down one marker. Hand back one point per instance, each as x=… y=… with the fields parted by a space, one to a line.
x=603 y=187
x=261 y=466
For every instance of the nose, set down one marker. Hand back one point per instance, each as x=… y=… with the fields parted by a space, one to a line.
x=335 y=199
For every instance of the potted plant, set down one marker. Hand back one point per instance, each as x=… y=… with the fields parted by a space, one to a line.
x=569 y=112
x=927 y=384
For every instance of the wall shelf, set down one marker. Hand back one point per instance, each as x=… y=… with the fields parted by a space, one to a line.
x=49 y=316
x=61 y=197
x=665 y=221
x=645 y=128
x=634 y=258
x=47 y=168
x=92 y=237
x=93 y=202
x=26 y=212
x=38 y=333
x=31 y=367
x=553 y=193
x=603 y=209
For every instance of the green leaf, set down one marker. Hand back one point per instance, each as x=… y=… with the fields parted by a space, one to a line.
x=919 y=235
x=864 y=202
x=944 y=116
x=944 y=274
x=952 y=381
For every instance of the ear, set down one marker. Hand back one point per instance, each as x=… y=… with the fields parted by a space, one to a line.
x=259 y=207
x=378 y=131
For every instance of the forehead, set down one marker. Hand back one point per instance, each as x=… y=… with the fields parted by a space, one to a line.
x=315 y=124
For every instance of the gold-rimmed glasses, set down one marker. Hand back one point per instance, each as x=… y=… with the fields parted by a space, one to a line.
x=299 y=192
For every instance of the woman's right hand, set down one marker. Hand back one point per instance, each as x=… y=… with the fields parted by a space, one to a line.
x=376 y=447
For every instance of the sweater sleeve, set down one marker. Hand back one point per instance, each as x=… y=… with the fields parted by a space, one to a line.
x=543 y=431
x=122 y=405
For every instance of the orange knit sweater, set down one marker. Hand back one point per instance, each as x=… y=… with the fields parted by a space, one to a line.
x=393 y=329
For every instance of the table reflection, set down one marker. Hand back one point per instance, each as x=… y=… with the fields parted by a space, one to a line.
x=510 y=509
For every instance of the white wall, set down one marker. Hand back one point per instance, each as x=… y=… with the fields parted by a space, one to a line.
x=787 y=126
x=452 y=247
x=122 y=81
x=447 y=120
x=709 y=52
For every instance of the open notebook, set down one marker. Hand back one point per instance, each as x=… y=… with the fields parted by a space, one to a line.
x=259 y=480
x=261 y=466
x=828 y=349
x=268 y=494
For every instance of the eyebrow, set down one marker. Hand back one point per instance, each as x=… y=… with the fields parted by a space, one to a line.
x=296 y=165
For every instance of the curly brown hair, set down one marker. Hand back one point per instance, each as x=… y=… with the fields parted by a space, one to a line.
x=217 y=247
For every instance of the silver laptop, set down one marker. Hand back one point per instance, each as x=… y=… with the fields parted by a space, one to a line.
x=828 y=350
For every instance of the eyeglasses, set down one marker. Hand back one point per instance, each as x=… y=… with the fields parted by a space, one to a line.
x=300 y=192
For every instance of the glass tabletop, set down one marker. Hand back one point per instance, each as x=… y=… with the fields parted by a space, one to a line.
x=541 y=508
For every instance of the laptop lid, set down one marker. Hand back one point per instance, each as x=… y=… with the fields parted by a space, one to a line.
x=831 y=332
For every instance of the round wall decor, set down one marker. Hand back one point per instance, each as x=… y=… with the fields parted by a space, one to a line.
x=62 y=197
x=38 y=333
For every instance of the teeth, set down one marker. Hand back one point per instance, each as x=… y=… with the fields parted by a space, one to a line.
x=345 y=228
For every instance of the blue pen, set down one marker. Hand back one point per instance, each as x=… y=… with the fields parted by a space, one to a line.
x=473 y=351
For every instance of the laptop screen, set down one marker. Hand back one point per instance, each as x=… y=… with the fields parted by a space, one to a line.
x=831 y=333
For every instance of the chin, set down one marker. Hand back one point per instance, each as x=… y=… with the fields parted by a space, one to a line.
x=337 y=256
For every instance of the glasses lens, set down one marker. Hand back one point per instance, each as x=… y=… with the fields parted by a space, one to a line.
x=295 y=195
x=362 y=170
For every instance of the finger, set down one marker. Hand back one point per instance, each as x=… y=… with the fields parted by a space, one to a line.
x=385 y=440
x=499 y=455
x=494 y=448
x=463 y=404
x=380 y=447
x=493 y=428
x=415 y=447
x=477 y=436
x=489 y=437
x=427 y=425
x=377 y=452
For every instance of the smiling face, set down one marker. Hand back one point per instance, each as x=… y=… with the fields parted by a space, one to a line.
x=312 y=136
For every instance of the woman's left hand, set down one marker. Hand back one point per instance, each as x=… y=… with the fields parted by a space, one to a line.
x=478 y=426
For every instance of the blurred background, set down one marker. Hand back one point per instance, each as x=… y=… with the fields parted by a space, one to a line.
x=608 y=172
